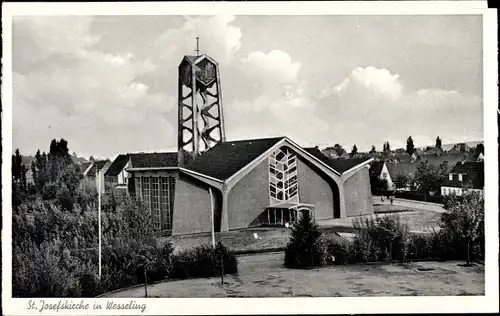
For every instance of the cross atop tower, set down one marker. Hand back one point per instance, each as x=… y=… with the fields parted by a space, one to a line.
x=197 y=50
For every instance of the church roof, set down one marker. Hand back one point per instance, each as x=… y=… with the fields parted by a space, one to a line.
x=154 y=160
x=376 y=168
x=340 y=165
x=225 y=159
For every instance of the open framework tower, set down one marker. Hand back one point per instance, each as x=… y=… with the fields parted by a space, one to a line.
x=200 y=121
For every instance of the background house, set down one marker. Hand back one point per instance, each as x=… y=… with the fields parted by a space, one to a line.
x=100 y=166
x=379 y=170
x=464 y=177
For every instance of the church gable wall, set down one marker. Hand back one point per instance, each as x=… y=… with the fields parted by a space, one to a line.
x=315 y=190
x=357 y=194
x=249 y=197
x=192 y=212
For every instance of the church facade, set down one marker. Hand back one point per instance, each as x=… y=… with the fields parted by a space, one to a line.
x=214 y=184
x=249 y=183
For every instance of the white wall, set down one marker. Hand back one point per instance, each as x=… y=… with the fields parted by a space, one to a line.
x=385 y=171
x=123 y=175
x=445 y=191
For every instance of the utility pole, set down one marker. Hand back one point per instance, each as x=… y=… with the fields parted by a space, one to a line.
x=99 y=214
x=212 y=210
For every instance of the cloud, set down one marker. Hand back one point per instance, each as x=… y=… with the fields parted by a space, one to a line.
x=85 y=94
x=275 y=67
x=380 y=82
x=218 y=38
x=376 y=107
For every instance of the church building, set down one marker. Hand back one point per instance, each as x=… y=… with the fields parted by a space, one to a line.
x=211 y=183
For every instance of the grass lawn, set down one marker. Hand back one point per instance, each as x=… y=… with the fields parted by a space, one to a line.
x=263 y=275
x=277 y=237
x=418 y=220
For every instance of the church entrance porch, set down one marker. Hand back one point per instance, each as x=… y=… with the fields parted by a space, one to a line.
x=287 y=213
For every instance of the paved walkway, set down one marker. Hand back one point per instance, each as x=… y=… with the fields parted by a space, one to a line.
x=264 y=276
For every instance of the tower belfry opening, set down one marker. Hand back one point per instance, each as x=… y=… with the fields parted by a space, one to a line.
x=200 y=115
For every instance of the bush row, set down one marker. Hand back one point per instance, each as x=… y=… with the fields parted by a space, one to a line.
x=53 y=271
x=55 y=249
x=386 y=239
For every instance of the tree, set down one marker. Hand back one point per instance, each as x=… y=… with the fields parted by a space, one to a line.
x=378 y=186
x=303 y=249
x=338 y=149
x=91 y=159
x=429 y=178
x=438 y=143
x=387 y=147
x=373 y=150
x=146 y=259
x=478 y=150
x=463 y=222
x=17 y=161
x=354 y=151
x=410 y=147
x=402 y=180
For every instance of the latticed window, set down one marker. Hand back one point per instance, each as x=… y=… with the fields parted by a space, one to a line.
x=146 y=195
x=138 y=187
x=155 y=202
x=171 y=188
x=283 y=180
x=166 y=209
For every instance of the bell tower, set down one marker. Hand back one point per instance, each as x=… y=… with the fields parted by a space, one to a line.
x=200 y=117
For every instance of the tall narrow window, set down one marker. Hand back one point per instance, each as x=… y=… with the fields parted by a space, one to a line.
x=171 y=188
x=155 y=202
x=138 y=187
x=165 y=204
x=145 y=192
x=283 y=180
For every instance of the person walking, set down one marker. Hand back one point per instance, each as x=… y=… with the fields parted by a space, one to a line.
x=392 y=199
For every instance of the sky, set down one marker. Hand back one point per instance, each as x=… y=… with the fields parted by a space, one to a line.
x=108 y=84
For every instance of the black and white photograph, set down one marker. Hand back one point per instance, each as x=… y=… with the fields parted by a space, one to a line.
x=225 y=156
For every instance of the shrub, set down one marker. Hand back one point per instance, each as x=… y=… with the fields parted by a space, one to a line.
x=303 y=249
x=426 y=246
x=381 y=238
x=362 y=249
x=49 y=191
x=203 y=261
x=334 y=250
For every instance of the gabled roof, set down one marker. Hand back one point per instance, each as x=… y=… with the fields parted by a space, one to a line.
x=225 y=159
x=376 y=168
x=154 y=160
x=85 y=166
x=402 y=168
x=344 y=164
x=117 y=165
x=97 y=166
x=340 y=165
x=468 y=167
x=474 y=172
